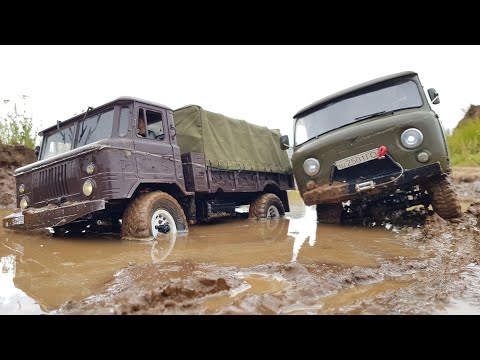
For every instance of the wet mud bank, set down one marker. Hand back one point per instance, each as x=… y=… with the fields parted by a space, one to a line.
x=11 y=158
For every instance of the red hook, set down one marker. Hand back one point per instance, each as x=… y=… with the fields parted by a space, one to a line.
x=382 y=150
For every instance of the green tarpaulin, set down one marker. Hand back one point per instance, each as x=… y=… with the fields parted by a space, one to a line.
x=229 y=143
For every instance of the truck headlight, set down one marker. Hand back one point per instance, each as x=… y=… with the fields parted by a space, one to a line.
x=24 y=203
x=21 y=188
x=411 y=138
x=311 y=166
x=88 y=187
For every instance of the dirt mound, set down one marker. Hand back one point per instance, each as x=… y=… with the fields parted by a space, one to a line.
x=472 y=113
x=166 y=292
x=11 y=158
x=467 y=183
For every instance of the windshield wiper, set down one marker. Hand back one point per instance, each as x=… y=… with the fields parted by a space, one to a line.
x=61 y=133
x=83 y=121
x=373 y=115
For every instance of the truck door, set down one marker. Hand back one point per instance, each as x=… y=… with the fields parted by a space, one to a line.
x=154 y=153
x=176 y=150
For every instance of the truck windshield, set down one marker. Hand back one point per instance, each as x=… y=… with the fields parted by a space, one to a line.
x=94 y=128
x=393 y=97
x=58 y=142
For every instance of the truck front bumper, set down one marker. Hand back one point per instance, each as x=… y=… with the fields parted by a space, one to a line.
x=51 y=215
x=343 y=191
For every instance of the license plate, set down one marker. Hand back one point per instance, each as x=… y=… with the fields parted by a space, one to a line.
x=14 y=219
x=357 y=159
x=18 y=220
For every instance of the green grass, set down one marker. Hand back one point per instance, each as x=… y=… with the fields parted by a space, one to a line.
x=464 y=144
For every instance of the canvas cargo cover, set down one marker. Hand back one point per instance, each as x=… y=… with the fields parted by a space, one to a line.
x=229 y=143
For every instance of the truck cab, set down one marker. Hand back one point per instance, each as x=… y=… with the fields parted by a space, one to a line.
x=119 y=165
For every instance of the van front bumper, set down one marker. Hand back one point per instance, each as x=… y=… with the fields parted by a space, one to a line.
x=342 y=191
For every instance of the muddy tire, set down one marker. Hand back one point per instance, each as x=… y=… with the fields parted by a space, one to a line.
x=329 y=213
x=151 y=215
x=444 y=199
x=266 y=206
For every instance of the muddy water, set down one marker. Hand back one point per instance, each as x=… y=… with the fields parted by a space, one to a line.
x=41 y=272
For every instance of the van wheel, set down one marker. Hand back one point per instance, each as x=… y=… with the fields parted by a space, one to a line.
x=266 y=206
x=151 y=215
x=329 y=213
x=444 y=198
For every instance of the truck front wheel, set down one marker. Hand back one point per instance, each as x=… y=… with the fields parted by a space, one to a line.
x=444 y=199
x=151 y=215
x=266 y=206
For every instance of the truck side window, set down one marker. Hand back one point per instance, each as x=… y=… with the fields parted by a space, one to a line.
x=123 y=126
x=155 y=125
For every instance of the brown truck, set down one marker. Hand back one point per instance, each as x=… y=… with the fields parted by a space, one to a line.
x=150 y=170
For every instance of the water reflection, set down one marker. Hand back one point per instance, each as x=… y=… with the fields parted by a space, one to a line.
x=52 y=271
x=12 y=299
x=303 y=229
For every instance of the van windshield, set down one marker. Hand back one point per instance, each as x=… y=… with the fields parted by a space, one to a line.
x=333 y=115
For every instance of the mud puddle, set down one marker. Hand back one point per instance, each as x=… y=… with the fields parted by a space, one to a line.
x=41 y=272
x=296 y=266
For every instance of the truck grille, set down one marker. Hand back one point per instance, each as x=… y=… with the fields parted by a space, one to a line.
x=51 y=183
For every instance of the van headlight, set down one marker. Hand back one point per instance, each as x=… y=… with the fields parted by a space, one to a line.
x=24 y=203
x=411 y=138
x=21 y=188
x=88 y=187
x=311 y=166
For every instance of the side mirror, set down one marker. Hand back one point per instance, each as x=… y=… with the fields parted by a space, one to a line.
x=284 y=142
x=172 y=128
x=433 y=94
x=37 y=151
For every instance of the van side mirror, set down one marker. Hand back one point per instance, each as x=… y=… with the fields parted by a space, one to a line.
x=37 y=151
x=433 y=94
x=284 y=142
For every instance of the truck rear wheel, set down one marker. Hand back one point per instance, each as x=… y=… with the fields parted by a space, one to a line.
x=444 y=199
x=266 y=206
x=151 y=215
x=329 y=213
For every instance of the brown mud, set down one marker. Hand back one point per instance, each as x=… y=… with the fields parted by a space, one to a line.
x=438 y=270
x=11 y=158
